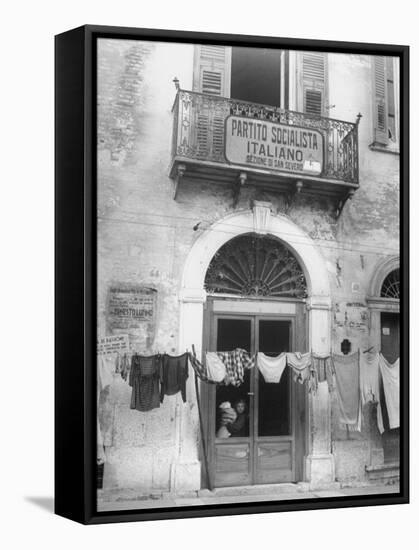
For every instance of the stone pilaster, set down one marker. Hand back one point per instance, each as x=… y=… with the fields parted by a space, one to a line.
x=320 y=463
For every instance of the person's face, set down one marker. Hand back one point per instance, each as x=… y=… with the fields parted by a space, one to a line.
x=240 y=406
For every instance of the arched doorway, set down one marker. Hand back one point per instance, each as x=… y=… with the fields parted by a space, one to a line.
x=384 y=304
x=318 y=462
x=256 y=292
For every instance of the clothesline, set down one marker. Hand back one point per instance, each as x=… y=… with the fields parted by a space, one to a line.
x=354 y=378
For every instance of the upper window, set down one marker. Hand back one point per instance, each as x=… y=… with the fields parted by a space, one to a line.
x=386 y=112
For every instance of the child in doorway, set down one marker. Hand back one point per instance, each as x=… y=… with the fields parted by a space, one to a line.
x=233 y=421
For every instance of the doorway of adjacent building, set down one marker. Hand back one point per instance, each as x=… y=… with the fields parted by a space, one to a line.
x=390 y=348
x=268 y=446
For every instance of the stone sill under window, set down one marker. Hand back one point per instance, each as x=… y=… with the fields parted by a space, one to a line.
x=393 y=149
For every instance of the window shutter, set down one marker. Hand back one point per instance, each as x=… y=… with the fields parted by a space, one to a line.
x=212 y=69
x=313 y=72
x=212 y=75
x=380 y=101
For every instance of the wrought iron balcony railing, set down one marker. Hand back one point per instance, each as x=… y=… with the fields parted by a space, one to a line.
x=203 y=124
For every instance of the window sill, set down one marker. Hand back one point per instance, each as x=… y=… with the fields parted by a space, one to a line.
x=392 y=149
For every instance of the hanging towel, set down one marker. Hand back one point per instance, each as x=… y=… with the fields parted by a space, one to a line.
x=144 y=378
x=370 y=383
x=302 y=369
x=346 y=369
x=236 y=362
x=105 y=368
x=173 y=375
x=271 y=367
x=391 y=382
x=125 y=367
x=216 y=368
x=100 y=454
x=368 y=371
x=323 y=365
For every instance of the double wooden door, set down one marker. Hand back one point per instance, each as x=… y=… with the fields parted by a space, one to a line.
x=268 y=447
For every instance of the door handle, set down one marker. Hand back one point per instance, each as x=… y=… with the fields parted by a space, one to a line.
x=250 y=393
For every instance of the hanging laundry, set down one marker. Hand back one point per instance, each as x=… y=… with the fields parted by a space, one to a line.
x=118 y=360
x=125 y=367
x=236 y=362
x=370 y=383
x=391 y=382
x=105 y=368
x=100 y=454
x=300 y=364
x=369 y=377
x=216 y=368
x=200 y=370
x=323 y=365
x=271 y=367
x=174 y=372
x=144 y=378
x=346 y=369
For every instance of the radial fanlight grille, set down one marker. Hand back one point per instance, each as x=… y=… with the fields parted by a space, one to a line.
x=391 y=285
x=252 y=265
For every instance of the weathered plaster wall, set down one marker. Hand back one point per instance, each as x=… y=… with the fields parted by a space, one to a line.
x=144 y=237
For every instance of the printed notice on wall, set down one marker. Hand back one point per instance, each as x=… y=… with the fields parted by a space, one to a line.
x=130 y=306
x=107 y=345
x=263 y=144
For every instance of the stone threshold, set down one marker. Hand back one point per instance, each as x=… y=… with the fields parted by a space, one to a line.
x=383 y=467
x=127 y=500
x=280 y=491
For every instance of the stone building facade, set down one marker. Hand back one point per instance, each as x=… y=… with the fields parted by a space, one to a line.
x=163 y=215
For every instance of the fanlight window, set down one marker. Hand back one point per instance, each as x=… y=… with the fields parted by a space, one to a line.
x=391 y=285
x=253 y=265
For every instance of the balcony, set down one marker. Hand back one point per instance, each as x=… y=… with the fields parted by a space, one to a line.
x=238 y=143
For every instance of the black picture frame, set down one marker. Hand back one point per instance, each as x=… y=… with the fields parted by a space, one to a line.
x=75 y=273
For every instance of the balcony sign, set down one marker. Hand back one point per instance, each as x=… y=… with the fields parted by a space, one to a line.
x=263 y=144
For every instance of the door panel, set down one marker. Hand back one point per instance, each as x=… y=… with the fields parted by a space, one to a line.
x=274 y=458
x=274 y=462
x=233 y=464
x=265 y=450
x=233 y=456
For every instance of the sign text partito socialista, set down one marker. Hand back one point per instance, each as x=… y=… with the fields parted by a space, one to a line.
x=282 y=147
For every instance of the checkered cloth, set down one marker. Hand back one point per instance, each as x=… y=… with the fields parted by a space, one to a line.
x=236 y=362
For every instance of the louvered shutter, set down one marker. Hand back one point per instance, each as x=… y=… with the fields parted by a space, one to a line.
x=212 y=69
x=380 y=101
x=313 y=75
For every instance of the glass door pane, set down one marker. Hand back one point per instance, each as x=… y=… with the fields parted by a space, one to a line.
x=274 y=399
x=232 y=407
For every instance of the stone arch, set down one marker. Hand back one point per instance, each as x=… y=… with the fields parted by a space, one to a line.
x=381 y=270
x=279 y=226
x=319 y=462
